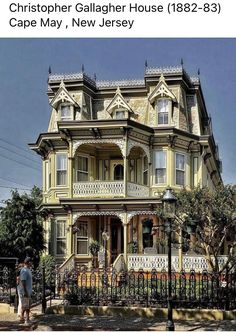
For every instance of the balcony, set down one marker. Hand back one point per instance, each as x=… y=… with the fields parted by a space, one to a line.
x=106 y=189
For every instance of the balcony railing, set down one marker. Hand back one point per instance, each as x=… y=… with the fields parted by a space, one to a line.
x=160 y=262
x=109 y=189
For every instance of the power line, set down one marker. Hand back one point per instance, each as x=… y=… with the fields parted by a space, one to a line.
x=18 y=147
x=19 y=154
x=21 y=163
x=11 y=180
x=7 y=187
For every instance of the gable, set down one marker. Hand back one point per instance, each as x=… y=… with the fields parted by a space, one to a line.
x=160 y=91
x=62 y=96
x=118 y=102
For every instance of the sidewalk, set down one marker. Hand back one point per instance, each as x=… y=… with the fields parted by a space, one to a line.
x=42 y=322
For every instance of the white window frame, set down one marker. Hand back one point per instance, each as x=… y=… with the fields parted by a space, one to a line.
x=161 y=168
x=62 y=170
x=82 y=238
x=66 y=118
x=159 y=112
x=60 y=237
x=82 y=171
x=180 y=170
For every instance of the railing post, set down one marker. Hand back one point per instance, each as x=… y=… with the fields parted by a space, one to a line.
x=44 y=301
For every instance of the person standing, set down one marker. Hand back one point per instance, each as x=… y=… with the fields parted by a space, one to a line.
x=19 y=311
x=25 y=290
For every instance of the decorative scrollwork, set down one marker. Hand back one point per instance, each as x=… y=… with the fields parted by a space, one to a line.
x=119 y=142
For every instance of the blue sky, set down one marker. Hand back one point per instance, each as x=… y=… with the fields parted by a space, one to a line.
x=24 y=70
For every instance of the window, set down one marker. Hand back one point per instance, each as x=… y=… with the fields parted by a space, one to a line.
x=82 y=238
x=145 y=170
x=82 y=172
x=180 y=169
x=120 y=114
x=163 y=111
x=147 y=234
x=66 y=113
x=61 y=169
x=61 y=237
x=160 y=167
x=118 y=172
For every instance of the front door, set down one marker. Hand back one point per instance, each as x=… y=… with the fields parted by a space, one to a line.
x=117 y=239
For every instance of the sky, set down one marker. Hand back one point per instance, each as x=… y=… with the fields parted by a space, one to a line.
x=25 y=111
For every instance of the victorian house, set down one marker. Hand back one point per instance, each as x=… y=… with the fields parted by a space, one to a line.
x=111 y=149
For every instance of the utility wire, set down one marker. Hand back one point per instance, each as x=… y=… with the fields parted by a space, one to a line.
x=14 y=188
x=21 y=163
x=19 y=154
x=11 y=180
x=18 y=147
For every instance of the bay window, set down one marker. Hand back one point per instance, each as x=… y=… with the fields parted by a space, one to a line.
x=61 y=237
x=160 y=167
x=61 y=166
x=180 y=169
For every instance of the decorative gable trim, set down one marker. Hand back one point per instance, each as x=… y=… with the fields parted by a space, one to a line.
x=161 y=90
x=118 y=102
x=62 y=96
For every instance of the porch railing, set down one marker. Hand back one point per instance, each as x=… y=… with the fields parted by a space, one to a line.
x=158 y=262
x=99 y=189
x=137 y=190
x=109 y=189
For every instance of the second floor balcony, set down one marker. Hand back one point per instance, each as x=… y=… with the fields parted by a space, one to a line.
x=108 y=189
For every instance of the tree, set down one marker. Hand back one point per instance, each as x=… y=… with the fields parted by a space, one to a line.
x=214 y=214
x=21 y=231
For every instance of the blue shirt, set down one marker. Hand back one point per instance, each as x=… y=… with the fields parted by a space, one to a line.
x=26 y=276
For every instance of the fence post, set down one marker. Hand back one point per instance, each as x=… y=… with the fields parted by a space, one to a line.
x=44 y=301
x=227 y=290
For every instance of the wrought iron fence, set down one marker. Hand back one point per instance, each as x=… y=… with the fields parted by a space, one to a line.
x=43 y=289
x=147 y=289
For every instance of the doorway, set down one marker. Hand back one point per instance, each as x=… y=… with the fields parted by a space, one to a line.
x=117 y=238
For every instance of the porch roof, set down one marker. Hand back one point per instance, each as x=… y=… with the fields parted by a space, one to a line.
x=106 y=205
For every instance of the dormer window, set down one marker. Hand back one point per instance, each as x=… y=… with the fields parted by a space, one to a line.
x=120 y=114
x=163 y=111
x=66 y=113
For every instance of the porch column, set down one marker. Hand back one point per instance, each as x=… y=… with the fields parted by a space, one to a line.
x=70 y=170
x=125 y=152
x=125 y=224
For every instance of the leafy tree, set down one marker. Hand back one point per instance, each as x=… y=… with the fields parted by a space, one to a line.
x=214 y=214
x=21 y=231
x=49 y=263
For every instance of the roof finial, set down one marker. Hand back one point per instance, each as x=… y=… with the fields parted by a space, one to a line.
x=95 y=77
x=49 y=70
x=146 y=63
x=182 y=62
x=82 y=68
x=198 y=72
